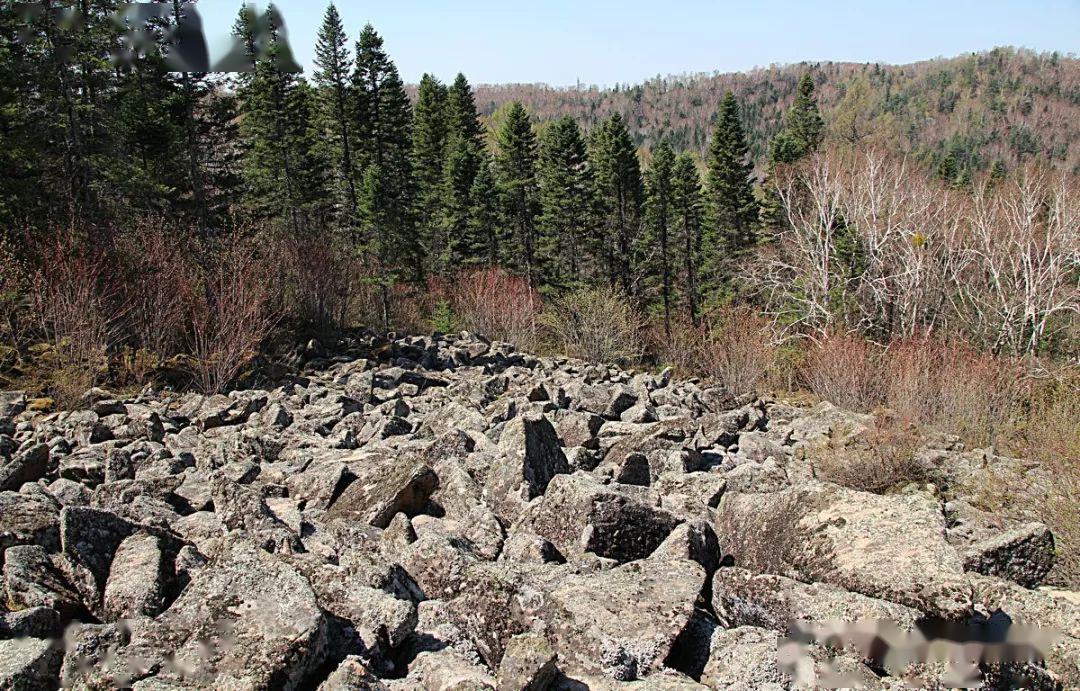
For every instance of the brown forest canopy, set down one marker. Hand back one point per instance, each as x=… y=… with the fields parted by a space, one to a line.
x=1003 y=105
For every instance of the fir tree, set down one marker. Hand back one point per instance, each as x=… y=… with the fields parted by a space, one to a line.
x=462 y=116
x=282 y=170
x=429 y=134
x=333 y=65
x=462 y=162
x=659 y=208
x=482 y=242
x=564 y=202
x=515 y=163
x=804 y=128
x=732 y=206
x=381 y=118
x=687 y=211
x=617 y=176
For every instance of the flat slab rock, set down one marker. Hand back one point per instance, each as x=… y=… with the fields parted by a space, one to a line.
x=887 y=547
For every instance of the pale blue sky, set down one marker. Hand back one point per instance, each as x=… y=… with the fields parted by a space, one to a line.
x=605 y=41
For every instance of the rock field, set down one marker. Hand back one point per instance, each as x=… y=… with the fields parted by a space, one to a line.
x=445 y=513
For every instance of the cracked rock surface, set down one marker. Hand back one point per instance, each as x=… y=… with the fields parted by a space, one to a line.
x=448 y=513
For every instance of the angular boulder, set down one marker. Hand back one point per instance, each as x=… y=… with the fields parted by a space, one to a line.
x=578 y=514
x=887 y=547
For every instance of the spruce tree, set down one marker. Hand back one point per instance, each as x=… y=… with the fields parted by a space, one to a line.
x=804 y=121
x=565 y=198
x=515 y=163
x=803 y=129
x=659 y=211
x=687 y=211
x=482 y=241
x=333 y=65
x=617 y=179
x=732 y=207
x=462 y=116
x=462 y=161
x=283 y=173
x=429 y=134
x=381 y=118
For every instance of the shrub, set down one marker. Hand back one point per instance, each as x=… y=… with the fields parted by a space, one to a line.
x=881 y=459
x=844 y=369
x=952 y=385
x=495 y=304
x=157 y=280
x=324 y=275
x=79 y=310
x=739 y=350
x=233 y=311
x=596 y=324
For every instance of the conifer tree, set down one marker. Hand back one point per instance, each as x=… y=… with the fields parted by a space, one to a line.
x=462 y=162
x=565 y=199
x=659 y=208
x=482 y=244
x=381 y=118
x=333 y=65
x=803 y=129
x=282 y=170
x=515 y=163
x=804 y=121
x=462 y=116
x=429 y=139
x=687 y=211
x=732 y=206
x=617 y=176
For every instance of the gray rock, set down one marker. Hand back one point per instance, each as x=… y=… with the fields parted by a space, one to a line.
x=36 y=622
x=137 y=582
x=384 y=489
x=248 y=620
x=29 y=664
x=578 y=514
x=742 y=598
x=531 y=457
x=1019 y=552
x=887 y=547
x=32 y=579
x=28 y=520
x=528 y=664
x=352 y=675
x=28 y=465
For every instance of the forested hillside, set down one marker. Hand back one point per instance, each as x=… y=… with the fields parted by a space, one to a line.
x=1004 y=105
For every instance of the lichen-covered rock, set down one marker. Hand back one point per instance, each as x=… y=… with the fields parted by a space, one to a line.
x=529 y=664
x=887 y=547
x=383 y=489
x=530 y=458
x=28 y=520
x=742 y=598
x=352 y=675
x=32 y=579
x=137 y=581
x=29 y=664
x=27 y=465
x=1020 y=552
x=579 y=514
x=248 y=620
x=623 y=622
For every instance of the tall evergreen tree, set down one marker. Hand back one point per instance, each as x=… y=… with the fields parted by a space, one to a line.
x=482 y=241
x=687 y=211
x=803 y=129
x=659 y=212
x=283 y=173
x=515 y=163
x=429 y=141
x=732 y=206
x=462 y=116
x=333 y=65
x=565 y=201
x=381 y=118
x=617 y=176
